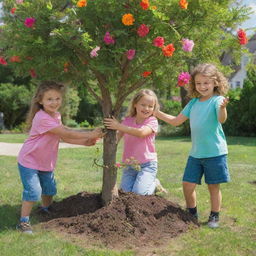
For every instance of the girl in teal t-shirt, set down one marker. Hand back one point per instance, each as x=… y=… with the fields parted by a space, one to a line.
x=208 y=156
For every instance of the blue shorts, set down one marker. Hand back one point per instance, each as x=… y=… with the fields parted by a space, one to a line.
x=214 y=169
x=140 y=182
x=36 y=183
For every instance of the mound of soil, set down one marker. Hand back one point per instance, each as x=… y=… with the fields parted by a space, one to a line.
x=129 y=220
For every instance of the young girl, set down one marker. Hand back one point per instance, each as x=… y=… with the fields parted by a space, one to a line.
x=38 y=155
x=139 y=129
x=208 y=156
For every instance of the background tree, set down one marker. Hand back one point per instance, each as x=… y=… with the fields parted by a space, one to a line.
x=113 y=47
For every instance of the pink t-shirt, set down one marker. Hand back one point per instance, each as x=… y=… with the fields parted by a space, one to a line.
x=40 y=150
x=141 y=149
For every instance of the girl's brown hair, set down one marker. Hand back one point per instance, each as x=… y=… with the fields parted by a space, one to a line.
x=38 y=96
x=144 y=92
x=211 y=71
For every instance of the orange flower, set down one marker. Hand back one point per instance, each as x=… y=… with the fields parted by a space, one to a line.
x=183 y=4
x=153 y=7
x=144 y=4
x=146 y=73
x=81 y=3
x=15 y=59
x=128 y=19
x=168 y=50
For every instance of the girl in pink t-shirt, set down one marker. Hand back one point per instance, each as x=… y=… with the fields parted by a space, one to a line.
x=138 y=129
x=38 y=155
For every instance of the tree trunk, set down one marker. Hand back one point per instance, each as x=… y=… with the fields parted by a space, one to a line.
x=109 y=188
x=184 y=102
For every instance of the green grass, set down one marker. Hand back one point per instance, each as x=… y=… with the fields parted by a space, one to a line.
x=75 y=173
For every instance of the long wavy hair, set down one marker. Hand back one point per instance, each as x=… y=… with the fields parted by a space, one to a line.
x=211 y=71
x=38 y=96
x=144 y=92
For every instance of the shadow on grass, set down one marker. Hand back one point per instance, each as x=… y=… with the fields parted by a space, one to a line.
x=10 y=215
x=245 y=141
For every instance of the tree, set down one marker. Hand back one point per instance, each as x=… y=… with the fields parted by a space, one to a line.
x=113 y=47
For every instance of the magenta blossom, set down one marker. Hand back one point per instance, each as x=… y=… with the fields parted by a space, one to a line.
x=183 y=78
x=108 y=39
x=158 y=42
x=187 y=45
x=130 y=54
x=29 y=22
x=19 y=1
x=94 y=52
x=3 y=61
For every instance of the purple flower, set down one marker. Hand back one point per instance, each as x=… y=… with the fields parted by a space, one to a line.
x=94 y=52
x=183 y=78
x=187 y=45
x=29 y=22
x=108 y=39
x=130 y=54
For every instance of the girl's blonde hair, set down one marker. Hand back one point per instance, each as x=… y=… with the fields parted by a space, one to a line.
x=38 y=96
x=144 y=92
x=211 y=71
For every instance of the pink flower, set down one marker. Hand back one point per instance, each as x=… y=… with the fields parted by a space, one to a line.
x=29 y=22
x=143 y=30
x=183 y=78
x=158 y=42
x=19 y=1
x=108 y=39
x=94 y=52
x=118 y=165
x=187 y=45
x=3 y=61
x=130 y=54
x=32 y=73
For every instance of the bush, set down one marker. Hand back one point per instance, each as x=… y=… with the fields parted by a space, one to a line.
x=242 y=109
x=14 y=103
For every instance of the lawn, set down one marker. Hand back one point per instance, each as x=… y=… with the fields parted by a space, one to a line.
x=75 y=173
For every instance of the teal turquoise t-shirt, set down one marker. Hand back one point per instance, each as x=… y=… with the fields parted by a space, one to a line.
x=208 y=138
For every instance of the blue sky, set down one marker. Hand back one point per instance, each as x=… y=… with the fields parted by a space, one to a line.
x=250 y=23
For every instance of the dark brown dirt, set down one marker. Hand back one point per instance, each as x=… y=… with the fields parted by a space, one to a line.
x=129 y=220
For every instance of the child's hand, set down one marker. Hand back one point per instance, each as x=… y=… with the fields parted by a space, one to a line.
x=97 y=133
x=155 y=112
x=90 y=142
x=111 y=123
x=224 y=103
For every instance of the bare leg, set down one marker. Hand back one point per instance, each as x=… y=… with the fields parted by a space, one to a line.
x=46 y=200
x=26 y=208
x=216 y=197
x=189 y=194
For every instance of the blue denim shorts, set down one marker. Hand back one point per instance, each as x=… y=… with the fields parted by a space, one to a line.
x=214 y=169
x=36 y=183
x=140 y=182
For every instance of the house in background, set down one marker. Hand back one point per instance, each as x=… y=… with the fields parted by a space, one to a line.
x=236 y=80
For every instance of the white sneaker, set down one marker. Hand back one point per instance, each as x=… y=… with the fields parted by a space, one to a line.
x=159 y=187
x=213 y=222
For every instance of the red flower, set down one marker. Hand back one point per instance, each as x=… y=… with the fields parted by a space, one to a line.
x=144 y=4
x=143 y=30
x=15 y=59
x=32 y=73
x=241 y=35
x=13 y=10
x=3 y=61
x=168 y=50
x=146 y=73
x=158 y=42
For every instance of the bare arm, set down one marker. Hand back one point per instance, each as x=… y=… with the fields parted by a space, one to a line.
x=83 y=142
x=222 y=116
x=173 y=120
x=113 y=124
x=67 y=134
